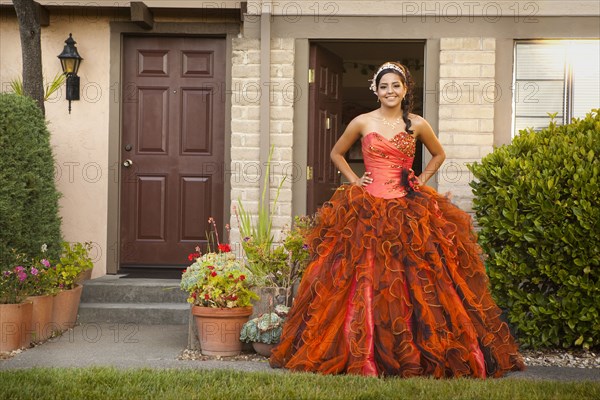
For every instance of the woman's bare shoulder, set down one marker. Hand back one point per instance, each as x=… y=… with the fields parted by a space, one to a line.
x=365 y=121
x=359 y=122
x=415 y=119
x=366 y=117
x=419 y=125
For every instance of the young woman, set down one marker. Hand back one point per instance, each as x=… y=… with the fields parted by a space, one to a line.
x=396 y=285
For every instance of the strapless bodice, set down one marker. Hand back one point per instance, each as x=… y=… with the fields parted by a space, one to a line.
x=389 y=161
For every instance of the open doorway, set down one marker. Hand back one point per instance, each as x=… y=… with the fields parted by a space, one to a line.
x=340 y=91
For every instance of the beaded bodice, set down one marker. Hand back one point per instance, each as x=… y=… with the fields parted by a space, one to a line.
x=390 y=162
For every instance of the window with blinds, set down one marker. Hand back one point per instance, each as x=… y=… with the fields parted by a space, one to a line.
x=559 y=76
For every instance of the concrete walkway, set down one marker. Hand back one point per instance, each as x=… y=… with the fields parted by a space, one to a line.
x=158 y=346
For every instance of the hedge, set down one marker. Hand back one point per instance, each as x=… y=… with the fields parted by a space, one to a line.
x=537 y=202
x=28 y=197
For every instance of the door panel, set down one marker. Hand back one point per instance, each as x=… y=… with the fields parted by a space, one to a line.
x=195 y=198
x=153 y=120
x=324 y=125
x=196 y=119
x=151 y=220
x=173 y=133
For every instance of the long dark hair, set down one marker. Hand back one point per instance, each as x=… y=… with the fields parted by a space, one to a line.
x=406 y=79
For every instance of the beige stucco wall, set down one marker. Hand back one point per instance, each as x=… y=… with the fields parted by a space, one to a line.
x=79 y=140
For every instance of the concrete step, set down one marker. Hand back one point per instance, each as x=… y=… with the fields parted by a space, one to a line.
x=113 y=289
x=143 y=301
x=134 y=313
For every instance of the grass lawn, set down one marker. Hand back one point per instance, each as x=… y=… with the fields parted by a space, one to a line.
x=110 y=383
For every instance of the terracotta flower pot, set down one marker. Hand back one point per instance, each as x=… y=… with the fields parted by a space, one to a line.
x=41 y=322
x=219 y=329
x=84 y=276
x=66 y=305
x=15 y=326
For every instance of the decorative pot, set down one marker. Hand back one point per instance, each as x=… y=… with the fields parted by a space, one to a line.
x=219 y=329
x=264 y=349
x=15 y=326
x=66 y=305
x=41 y=322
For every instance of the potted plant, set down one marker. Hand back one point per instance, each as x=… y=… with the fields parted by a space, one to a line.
x=219 y=287
x=15 y=312
x=277 y=266
x=41 y=293
x=280 y=266
x=73 y=261
x=264 y=332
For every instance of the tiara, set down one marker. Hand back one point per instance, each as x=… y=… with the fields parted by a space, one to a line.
x=385 y=66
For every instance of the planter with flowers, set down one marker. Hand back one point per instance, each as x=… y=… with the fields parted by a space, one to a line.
x=74 y=260
x=25 y=293
x=41 y=293
x=219 y=287
x=15 y=312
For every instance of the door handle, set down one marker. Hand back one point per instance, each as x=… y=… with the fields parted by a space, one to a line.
x=127 y=163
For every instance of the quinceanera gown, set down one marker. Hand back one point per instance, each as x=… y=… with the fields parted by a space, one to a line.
x=396 y=283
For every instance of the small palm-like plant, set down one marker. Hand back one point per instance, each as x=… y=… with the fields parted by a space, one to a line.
x=260 y=232
x=49 y=88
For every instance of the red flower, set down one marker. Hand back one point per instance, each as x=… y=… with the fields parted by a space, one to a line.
x=242 y=277
x=224 y=248
x=213 y=273
x=210 y=267
x=230 y=276
x=194 y=295
x=206 y=297
x=193 y=256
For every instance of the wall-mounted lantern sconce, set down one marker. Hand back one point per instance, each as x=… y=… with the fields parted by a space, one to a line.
x=70 y=60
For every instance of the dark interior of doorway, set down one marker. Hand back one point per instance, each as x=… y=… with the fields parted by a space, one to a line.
x=360 y=61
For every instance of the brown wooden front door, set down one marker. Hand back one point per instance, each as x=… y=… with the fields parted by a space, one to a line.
x=324 y=125
x=172 y=147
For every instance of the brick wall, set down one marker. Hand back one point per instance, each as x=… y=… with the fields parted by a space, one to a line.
x=245 y=103
x=466 y=111
x=282 y=129
x=247 y=95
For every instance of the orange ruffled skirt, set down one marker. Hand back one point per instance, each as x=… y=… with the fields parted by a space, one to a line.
x=395 y=287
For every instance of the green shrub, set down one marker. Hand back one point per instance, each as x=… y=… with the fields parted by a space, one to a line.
x=28 y=196
x=74 y=260
x=538 y=204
